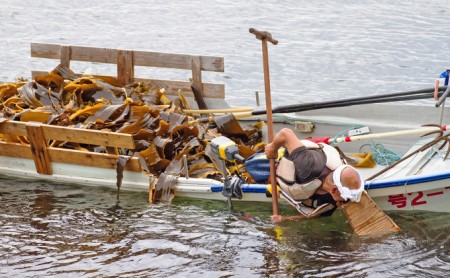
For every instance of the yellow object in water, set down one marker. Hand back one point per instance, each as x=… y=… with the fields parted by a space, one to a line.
x=278 y=232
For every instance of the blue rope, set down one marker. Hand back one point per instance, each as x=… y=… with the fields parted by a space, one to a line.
x=380 y=154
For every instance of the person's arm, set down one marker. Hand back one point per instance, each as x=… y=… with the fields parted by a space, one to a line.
x=284 y=138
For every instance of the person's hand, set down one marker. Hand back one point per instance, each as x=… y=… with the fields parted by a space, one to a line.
x=270 y=151
x=276 y=219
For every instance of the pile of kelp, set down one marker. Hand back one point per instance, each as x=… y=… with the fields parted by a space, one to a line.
x=162 y=132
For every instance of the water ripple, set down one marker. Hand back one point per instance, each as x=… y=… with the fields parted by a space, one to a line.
x=326 y=51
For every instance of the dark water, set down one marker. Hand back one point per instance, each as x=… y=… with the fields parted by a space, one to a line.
x=327 y=50
x=56 y=230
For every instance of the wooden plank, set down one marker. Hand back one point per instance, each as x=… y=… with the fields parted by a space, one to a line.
x=87 y=136
x=78 y=53
x=65 y=56
x=141 y=58
x=69 y=156
x=13 y=128
x=177 y=61
x=91 y=159
x=125 y=67
x=210 y=90
x=15 y=150
x=39 y=148
x=70 y=134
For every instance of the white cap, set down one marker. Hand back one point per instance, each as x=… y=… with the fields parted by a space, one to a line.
x=346 y=193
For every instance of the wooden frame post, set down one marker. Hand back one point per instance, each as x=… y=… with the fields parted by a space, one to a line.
x=125 y=67
x=197 y=73
x=66 y=53
x=39 y=146
x=197 y=83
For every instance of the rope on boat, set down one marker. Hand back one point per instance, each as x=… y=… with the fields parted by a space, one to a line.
x=380 y=154
x=440 y=137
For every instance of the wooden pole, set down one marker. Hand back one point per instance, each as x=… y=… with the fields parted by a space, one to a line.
x=264 y=37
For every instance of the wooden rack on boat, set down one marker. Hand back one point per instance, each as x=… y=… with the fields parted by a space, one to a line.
x=43 y=155
x=126 y=60
x=39 y=135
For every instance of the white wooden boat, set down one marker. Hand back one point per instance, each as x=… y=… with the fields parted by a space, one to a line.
x=419 y=183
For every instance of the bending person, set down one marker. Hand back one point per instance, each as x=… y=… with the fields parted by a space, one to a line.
x=314 y=174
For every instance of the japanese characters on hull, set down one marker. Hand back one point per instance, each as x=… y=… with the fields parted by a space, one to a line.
x=416 y=199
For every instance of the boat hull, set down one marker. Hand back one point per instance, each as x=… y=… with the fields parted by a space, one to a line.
x=429 y=193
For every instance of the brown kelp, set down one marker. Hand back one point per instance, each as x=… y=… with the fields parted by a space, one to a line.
x=163 y=134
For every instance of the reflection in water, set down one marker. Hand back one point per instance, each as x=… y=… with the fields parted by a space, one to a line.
x=54 y=229
x=42 y=206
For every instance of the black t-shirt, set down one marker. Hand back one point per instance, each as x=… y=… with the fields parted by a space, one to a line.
x=309 y=164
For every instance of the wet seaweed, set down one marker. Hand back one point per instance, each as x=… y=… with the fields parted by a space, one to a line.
x=163 y=134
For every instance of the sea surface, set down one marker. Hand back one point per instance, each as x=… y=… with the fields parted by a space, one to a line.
x=327 y=50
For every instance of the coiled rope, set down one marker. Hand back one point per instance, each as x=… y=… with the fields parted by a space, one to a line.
x=380 y=154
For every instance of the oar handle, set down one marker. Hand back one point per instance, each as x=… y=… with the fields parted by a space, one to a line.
x=391 y=134
x=263 y=35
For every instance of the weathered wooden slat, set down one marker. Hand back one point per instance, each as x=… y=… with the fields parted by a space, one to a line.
x=69 y=156
x=70 y=134
x=39 y=146
x=210 y=90
x=91 y=159
x=141 y=58
x=177 y=61
x=15 y=150
x=85 y=136
x=13 y=128
x=78 y=53
x=125 y=67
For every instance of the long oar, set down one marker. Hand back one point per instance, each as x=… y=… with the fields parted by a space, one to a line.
x=265 y=37
x=423 y=130
x=363 y=224
x=400 y=96
x=412 y=95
